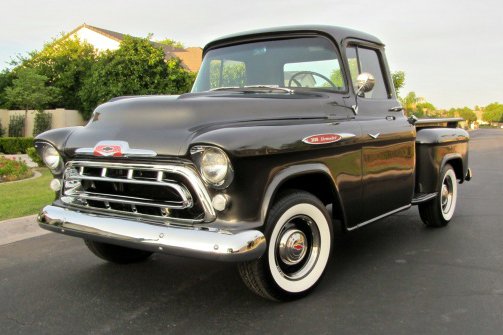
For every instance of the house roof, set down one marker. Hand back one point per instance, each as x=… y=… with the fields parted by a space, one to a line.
x=191 y=57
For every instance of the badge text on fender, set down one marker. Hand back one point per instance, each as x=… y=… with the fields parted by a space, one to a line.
x=326 y=138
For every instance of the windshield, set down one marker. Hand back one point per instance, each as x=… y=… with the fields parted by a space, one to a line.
x=308 y=62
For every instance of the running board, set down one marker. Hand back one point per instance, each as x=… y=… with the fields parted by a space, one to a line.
x=423 y=197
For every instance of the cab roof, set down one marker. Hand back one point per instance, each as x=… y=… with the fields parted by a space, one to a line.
x=339 y=34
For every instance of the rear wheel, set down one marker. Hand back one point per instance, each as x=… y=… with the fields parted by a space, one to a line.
x=439 y=211
x=299 y=236
x=117 y=254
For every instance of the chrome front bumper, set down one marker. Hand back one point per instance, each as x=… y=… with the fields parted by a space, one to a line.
x=192 y=242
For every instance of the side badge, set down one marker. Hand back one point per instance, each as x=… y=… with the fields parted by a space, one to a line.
x=326 y=138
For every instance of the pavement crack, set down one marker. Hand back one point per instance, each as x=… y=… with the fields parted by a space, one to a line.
x=23 y=324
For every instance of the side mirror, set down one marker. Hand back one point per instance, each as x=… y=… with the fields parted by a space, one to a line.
x=365 y=82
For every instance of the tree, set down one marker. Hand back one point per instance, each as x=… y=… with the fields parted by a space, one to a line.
x=2 y=130
x=135 y=68
x=493 y=113
x=409 y=102
x=65 y=62
x=6 y=78
x=424 y=108
x=465 y=113
x=172 y=43
x=336 y=75
x=230 y=73
x=398 y=78
x=43 y=122
x=29 y=91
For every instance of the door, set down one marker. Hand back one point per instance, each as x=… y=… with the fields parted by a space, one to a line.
x=388 y=139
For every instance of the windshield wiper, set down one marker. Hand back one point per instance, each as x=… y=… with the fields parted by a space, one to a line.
x=255 y=88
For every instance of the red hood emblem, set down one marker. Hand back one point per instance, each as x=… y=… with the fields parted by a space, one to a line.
x=108 y=150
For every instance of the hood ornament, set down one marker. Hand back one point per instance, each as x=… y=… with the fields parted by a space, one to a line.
x=114 y=149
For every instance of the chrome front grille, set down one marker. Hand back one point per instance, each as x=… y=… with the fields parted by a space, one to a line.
x=163 y=192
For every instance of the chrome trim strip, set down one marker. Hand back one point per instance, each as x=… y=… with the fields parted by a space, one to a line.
x=186 y=171
x=192 y=242
x=379 y=217
x=439 y=120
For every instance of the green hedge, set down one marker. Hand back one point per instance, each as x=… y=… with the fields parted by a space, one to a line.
x=15 y=145
x=32 y=152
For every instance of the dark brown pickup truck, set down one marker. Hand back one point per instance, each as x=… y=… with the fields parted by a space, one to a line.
x=286 y=132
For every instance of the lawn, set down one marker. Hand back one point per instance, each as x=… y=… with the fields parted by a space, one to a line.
x=25 y=197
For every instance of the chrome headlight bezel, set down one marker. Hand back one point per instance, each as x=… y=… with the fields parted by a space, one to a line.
x=214 y=165
x=51 y=158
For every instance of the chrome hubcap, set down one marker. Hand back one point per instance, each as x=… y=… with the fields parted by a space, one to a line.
x=297 y=247
x=292 y=246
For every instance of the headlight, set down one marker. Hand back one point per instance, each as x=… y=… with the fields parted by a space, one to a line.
x=52 y=158
x=214 y=165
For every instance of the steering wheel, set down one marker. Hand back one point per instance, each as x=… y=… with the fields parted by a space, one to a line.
x=292 y=78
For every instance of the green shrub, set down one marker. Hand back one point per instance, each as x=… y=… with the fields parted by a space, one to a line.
x=2 y=131
x=11 y=169
x=32 y=152
x=15 y=145
x=16 y=126
x=43 y=122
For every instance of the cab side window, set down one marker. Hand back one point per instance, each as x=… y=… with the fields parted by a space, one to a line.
x=361 y=60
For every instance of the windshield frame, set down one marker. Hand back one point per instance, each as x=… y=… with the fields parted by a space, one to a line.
x=276 y=37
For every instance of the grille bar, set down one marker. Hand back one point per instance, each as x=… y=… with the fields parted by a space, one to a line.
x=127 y=200
x=165 y=192
x=182 y=191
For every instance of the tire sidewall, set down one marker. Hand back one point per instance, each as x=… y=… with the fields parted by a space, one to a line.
x=448 y=172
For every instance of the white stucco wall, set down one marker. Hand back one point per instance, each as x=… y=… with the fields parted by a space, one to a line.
x=99 y=41
x=60 y=118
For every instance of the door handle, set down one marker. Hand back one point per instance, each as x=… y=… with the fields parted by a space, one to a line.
x=390 y=118
x=396 y=109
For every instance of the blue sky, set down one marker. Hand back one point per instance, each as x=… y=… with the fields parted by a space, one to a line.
x=451 y=51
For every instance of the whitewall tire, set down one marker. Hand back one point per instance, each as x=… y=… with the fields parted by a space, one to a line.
x=299 y=236
x=440 y=210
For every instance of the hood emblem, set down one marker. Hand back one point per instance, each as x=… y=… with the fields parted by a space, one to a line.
x=326 y=138
x=108 y=150
x=114 y=149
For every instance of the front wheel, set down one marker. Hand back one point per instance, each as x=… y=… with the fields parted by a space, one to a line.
x=299 y=235
x=439 y=211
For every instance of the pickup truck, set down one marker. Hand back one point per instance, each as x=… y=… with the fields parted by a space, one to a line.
x=286 y=133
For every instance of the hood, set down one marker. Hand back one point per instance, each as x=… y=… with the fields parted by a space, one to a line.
x=169 y=124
